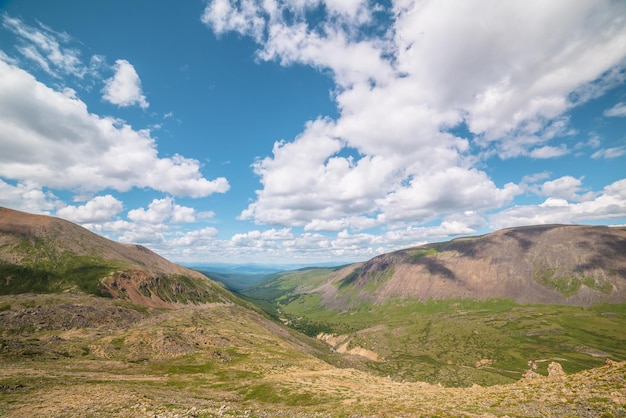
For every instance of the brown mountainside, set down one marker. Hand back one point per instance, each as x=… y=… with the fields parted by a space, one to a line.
x=66 y=236
x=43 y=254
x=562 y=264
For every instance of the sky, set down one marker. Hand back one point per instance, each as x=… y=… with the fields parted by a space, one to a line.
x=312 y=131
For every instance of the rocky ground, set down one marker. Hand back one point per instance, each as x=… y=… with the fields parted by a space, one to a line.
x=76 y=356
x=344 y=392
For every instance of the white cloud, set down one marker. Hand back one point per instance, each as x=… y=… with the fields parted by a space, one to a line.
x=27 y=196
x=164 y=226
x=170 y=229
x=566 y=187
x=554 y=202
x=608 y=204
x=353 y=10
x=193 y=238
x=619 y=110
x=593 y=142
x=609 y=153
x=549 y=151
x=98 y=209
x=162 y=210
x=39 y=125
x=509 y=71
x=286 y=246
x=502 y=79
x=429 y=196
x=224 y=17
x=124 y=88
x=257 y=238
x=45 y=47
x=143 y=236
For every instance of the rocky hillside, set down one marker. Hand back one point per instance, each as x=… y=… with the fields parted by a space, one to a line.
x=42 y=254
x=106 y=357
x=562 y=264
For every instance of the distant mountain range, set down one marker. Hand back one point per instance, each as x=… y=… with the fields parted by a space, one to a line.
x=252 y=268
x=43 y=254
x=237 y=277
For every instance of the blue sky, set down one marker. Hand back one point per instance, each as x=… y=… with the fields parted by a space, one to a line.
x=312 y=131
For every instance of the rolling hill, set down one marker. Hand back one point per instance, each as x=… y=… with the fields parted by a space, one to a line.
x=43 y=254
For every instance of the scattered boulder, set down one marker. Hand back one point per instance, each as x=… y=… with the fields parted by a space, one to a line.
x=482 y=363
x=531 y=375
x=555 y=370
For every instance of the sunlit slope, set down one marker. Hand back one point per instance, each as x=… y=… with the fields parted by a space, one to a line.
x=224 y=350
x=460 y=342
x=42 y=254
x=64 y=355
x=437 y=324
x=564 y=264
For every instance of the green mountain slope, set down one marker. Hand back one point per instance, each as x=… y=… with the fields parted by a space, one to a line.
x=429 y=314
x=42 y=254
x=73 y=354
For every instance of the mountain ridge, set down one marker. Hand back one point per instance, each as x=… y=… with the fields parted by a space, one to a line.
x=40 y=253
x=564 y=264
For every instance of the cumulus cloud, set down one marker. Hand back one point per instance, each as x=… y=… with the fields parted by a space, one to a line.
x=39 y=125
x=98 y=209
x=446 y=191
x=28 y=196
x=162 y=210
x=193 y=238
x=164 y=226
x=566 y=187
x=285 y=245
x=124 y=88
x=258 y=238
x=610 y=203
x=144 y=235
x=508 y=72
x=549 y=151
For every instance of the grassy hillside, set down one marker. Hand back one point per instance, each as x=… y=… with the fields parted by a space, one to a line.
x=42 y=254
x=44 y=268
x=453 y=342
x=223 y=349
x=79 y=355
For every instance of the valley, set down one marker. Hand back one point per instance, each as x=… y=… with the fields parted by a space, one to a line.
x=464 y=342
x=90 y=327
x=225 y=360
